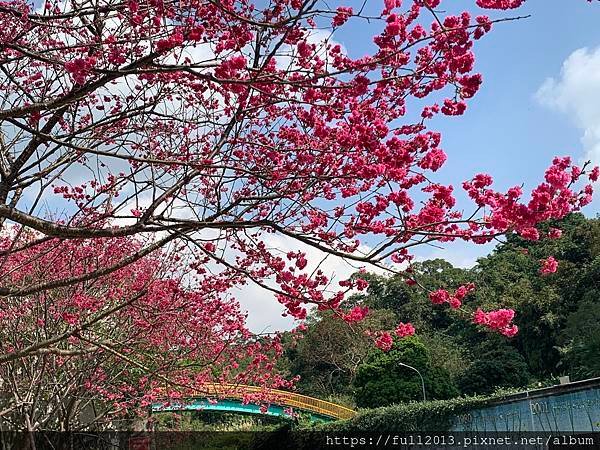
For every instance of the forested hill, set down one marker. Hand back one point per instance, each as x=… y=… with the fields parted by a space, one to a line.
x=557 y=314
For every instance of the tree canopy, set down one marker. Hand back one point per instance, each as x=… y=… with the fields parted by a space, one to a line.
x=382 y=380
x=557 y=315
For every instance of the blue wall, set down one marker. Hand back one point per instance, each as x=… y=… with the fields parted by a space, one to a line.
x=566 y=408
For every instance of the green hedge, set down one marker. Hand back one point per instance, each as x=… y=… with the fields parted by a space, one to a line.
x=414 y=417
x=436 y=415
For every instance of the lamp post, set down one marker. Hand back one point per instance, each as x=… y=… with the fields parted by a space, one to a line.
x=420 y=376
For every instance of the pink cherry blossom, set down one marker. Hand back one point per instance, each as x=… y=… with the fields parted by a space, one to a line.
x=549 y=266
x=404 y=329
x=384 y=342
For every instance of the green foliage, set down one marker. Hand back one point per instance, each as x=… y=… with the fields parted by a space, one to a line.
x=447 y=352
x=581 y=353
x=510 y=277
x=382 y=380
x=207 y=421
x=329 y=354
x=437 y=415
x=497 y=365
x=557 y=317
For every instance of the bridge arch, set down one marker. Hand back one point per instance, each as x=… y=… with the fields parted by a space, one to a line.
x=231 y=400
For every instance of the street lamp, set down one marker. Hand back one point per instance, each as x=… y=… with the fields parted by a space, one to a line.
x=420 y=376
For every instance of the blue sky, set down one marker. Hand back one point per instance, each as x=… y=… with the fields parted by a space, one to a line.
x=510 y=130
x=506 y=130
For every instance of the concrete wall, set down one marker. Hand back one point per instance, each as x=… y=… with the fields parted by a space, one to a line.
x=566 y=408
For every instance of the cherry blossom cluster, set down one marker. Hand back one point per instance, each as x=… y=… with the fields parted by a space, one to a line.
x=500 y=320
x=500 y=4
x=549 y=266
x=404 y=330
x=385 y=341
x=441 y=296
x=356 y=314
x=80 y=68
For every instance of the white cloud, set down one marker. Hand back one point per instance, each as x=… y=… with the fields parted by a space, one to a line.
x=576 y=92
x=264 y=312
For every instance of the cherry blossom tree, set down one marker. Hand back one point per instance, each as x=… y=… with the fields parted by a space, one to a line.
x=94 y=354
x=202 y=129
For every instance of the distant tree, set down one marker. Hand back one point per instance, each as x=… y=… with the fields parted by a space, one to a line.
x=497 y=365
x=381 y=380
x=510 y=277
x=448 y=352
x=557 y=313
x=581 y=352
x=330 y=352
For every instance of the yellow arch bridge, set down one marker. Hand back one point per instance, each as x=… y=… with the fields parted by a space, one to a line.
x=230 y=399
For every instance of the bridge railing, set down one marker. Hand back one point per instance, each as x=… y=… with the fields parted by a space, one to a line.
x=282 y=398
